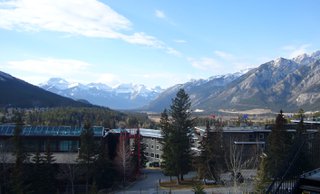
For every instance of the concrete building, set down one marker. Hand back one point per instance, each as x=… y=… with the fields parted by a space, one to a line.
x=65 y=140
x=152 y=140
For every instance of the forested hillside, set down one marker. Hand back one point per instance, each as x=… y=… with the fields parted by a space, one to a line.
x=76 y=116
x=18 y=93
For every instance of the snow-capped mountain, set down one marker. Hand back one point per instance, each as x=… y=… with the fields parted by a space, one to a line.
x=18 y=93
x=198 y=90
x=289 y=84
x=124 y=96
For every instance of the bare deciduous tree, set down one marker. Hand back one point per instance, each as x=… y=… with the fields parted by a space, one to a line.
x=236 y=163
x=123 y=158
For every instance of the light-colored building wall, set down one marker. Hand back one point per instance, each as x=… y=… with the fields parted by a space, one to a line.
x=153 y=149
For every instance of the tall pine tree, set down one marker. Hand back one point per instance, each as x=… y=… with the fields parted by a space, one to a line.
x=88 y=152
x=104 y=169
x=262 y=180
x=19 y=183
x=278 y=145
x=177 y=146
x=303 y=163
x=44 y=171
x=50 y=169
x=211 y=160
x=301 y=129
x=167 y=151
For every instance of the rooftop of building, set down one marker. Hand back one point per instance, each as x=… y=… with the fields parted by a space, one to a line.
x=27 y=130
x=153 y=133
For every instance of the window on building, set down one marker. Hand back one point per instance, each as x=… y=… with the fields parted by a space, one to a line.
x=65 y=146
x=157 y=155
x=311 y=135
x=261 y=136
x=53 y=146
x=147 y=146
x=146 y=153
x=151 y=146
x=152 y=154
x=157 y=147
x=251 y=137
x=74 y=146
x=152 y=138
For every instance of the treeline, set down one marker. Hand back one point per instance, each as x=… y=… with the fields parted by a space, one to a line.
x=76 y=116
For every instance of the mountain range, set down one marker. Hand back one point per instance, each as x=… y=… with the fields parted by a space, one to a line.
x=18 y=93
x=124 y=96
x=287 y=84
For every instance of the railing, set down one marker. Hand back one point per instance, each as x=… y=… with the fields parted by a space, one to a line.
x=283 y=184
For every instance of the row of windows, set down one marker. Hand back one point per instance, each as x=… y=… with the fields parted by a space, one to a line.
x=54 y=145
x=157 y=146
x=252 y=137
x=152 y=155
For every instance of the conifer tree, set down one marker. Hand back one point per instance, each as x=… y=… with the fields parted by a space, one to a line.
x=87 y=153
x=104 y=169
x=167 y=151
x=300 y=127
x=303 y=163
x=211 y=160
x=36 y=179
x=278 y=145
x=262 y=180
x=49 y=170
x=19 y=185
x=177 y=135
x=44 y=172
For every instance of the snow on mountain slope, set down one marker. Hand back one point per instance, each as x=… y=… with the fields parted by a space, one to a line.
x=281 y=83
x=124 y=96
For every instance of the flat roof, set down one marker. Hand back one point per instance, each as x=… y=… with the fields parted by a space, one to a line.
x=153 y=133
x=61 y=131
x=249 y=142
x=305 y=121
x=239 y=129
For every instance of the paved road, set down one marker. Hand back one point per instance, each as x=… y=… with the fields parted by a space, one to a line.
x=149 y=181
x=149 y=184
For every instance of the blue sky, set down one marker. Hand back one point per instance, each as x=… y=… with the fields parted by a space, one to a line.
x=150 y=42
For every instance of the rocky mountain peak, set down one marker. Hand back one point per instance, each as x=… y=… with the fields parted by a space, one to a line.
x=276 y=84
x=316 y=55
x=123 y=96
x=100 y=86
x=56 y=82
